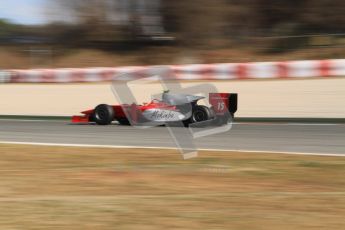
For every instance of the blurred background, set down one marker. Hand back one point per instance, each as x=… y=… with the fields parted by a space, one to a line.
x=87 y=33
x=61 y=187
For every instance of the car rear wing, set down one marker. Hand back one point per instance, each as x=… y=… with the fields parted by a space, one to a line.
x=223 y=102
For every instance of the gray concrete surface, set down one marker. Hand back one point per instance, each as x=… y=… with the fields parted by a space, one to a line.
x=278 y=137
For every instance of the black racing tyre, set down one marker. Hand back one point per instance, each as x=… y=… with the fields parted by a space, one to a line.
x=103 y=114
x=201 y=113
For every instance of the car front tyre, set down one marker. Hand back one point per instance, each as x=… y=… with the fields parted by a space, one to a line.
x=103 y=114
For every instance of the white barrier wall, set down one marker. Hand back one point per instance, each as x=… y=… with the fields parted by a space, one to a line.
x=4 y=76
x=223 y=71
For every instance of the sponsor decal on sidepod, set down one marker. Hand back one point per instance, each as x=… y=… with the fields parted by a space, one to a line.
x=162 y=115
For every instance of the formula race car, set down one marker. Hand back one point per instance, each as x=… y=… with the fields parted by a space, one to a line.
x=171 y=109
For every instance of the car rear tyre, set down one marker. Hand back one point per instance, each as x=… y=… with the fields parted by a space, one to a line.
x=104 y=114
x=201 y=113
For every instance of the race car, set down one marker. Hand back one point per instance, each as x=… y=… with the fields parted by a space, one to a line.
x=170 y=109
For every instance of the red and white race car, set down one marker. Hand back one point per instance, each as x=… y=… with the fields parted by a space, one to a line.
x=172 y=109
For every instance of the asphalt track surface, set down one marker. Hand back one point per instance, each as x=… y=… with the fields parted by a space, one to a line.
x=272 y=137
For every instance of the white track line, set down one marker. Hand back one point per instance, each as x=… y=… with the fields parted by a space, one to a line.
x=286 y=124
x=165 y=148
